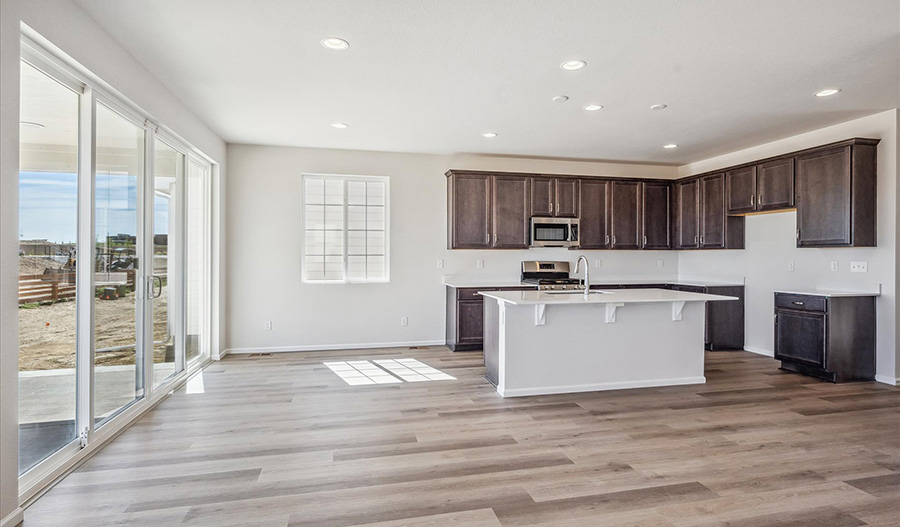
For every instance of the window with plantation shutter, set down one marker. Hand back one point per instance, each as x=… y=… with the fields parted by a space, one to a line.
x=345 y=224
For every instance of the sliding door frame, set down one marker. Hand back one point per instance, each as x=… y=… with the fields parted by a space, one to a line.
x=42 y=476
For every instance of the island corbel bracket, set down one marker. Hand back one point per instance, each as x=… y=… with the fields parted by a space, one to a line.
x=611 y=311
x=540 y=314
x=677 y=310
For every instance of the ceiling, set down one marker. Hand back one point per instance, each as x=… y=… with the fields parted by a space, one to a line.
x=431 y=77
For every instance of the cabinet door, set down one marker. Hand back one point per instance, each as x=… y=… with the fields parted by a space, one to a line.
x=625 y=215
x=511 y=201
x=470 y=206
x=687 y=226
x=712 y=212
x=594 y=224
x=775 y=185
x=543 y=196
x=566 y=198
x=741 y=190
x=656 y=216
x=800 y=337
x=823 y=198
x=469 y=321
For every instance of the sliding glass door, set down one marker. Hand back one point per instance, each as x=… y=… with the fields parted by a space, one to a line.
x=114 y=264
x=48 y=230
x=166 y=276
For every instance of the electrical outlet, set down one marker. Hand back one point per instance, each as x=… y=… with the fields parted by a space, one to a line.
x=715 y=263
x=859 y=267
x=791 y=265
x=660 y=263
x=440 y=264
x=598 y=263
x=479 y=264
x=834 y=265
x=404 y=321
x=268 y=325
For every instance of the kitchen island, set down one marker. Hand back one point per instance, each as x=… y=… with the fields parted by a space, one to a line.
x=561 y=342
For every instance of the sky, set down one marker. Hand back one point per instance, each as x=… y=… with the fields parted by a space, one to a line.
x=48 y=204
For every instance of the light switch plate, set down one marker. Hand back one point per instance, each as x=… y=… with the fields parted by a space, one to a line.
x=791 y=265
x=834 y=265
x=859 y=267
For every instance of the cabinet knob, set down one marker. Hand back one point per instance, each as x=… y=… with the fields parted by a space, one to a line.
x=751 y=200
x=759 y=199
x=607 y=239
x=645 y=240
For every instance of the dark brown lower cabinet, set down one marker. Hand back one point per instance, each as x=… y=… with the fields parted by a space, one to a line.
x=724 y=320
x=465 y=316
x=832 y=338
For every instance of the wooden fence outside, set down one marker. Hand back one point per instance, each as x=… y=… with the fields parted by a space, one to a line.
x=52 y=287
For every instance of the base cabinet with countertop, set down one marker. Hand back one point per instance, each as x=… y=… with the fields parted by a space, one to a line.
x=831 y=337
x=724 y=326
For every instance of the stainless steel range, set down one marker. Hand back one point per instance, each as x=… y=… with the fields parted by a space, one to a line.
x=549 y=276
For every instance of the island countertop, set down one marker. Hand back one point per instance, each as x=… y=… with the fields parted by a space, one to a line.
x=615 y=296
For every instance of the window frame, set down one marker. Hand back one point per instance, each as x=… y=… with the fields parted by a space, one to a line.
x=345 y=178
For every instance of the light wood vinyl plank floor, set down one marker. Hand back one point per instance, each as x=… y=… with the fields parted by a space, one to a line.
x=282 y=441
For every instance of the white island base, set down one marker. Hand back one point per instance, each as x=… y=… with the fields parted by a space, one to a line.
x=539 y=343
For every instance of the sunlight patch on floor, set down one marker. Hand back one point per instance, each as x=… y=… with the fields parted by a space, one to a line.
x=363 y=372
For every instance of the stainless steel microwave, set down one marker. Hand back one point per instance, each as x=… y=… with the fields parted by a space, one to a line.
x=554 y=232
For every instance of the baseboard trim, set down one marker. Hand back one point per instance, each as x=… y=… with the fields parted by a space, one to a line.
x=16 y=517
x=759 y=351
x=332 y=347
x=887 y=380
x=597 y=387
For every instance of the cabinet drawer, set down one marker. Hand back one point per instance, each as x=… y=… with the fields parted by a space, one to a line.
x=471 y=293
x=800 y=302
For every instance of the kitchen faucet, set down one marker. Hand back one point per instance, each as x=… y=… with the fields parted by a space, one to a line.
x=587 y=275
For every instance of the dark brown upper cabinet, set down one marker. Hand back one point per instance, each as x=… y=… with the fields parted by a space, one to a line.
x=741 y=190
x=554 y=197
x=712 y=212
x=759 y=188
x=656 y=215
x=625 y=215
x=836 y=195
x=687 y=227
x=511 y=197
x=775 y=185
x=468 y=211
x=594 y=224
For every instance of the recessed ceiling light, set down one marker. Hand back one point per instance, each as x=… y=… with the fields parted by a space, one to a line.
x=560 y=98
x=572 y=65
x=31 y=124
x=593 y=107
x=827 y=92
x=340 y=125
x=489 y=134
x=658 y=107
x=336 y=44
x=670 y=145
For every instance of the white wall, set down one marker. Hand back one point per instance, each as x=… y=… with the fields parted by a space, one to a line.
x=68 y=27
x=264 y=280
x=770 y=244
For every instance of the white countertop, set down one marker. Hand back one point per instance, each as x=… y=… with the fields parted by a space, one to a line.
x=624 y=296
x=828 y=292
x=487 y=281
